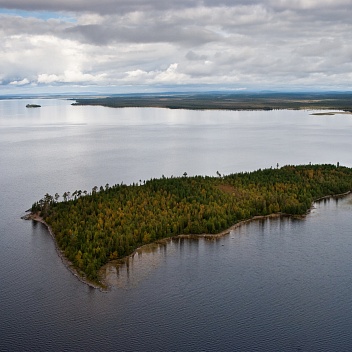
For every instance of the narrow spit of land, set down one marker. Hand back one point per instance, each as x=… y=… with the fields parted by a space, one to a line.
x=92 y=228
x=227 y=101
x=69 y=265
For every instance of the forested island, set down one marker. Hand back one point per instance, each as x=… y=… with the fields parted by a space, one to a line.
x=111 y=222
x=33 y=106
x=227 y=101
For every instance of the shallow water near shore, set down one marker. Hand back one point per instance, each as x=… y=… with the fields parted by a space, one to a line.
x=270 y=285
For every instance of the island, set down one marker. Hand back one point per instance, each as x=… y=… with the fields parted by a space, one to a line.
x=33 y=106
x=111 y=222
x=240 y=100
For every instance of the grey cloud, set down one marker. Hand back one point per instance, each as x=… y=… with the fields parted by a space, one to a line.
x=125 y=6
x=102 y=34
x=17 y=25
x=323 y=47
x=204 y=42
x=113 y=6
x=192 y=56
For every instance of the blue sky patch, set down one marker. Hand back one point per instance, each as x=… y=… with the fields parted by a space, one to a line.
x=43 y=15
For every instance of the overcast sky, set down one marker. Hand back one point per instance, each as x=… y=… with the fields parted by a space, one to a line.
x=155 y=45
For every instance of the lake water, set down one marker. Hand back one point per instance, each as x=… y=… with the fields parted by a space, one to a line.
x=273 y=285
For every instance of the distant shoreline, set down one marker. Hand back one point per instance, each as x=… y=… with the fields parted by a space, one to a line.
x=104 y=288
x=227 y=101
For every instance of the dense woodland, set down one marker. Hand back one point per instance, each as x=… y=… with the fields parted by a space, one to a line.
x=111 y=222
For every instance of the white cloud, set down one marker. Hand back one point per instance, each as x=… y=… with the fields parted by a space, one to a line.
x=258 y=44
x=168 y=76
x=69 y=77
x=47 y=78
x=20 y=83
x=309 y=4
x=171 y=75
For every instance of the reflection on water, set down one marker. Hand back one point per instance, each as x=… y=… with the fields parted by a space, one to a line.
x=132 y=271
x=127 y=273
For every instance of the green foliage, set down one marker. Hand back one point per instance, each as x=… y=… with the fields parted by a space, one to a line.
x=111 y=223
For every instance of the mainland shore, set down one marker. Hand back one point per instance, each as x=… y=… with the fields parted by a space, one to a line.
x=238 y=101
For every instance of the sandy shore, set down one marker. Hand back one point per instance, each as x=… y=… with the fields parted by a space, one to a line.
x=226 y=232
x=69 y=265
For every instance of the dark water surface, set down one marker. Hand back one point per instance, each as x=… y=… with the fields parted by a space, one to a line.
x=273 y=285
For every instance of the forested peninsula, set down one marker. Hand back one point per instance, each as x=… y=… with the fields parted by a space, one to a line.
x=111 y=222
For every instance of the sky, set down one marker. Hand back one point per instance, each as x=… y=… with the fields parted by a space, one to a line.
x=126 y=46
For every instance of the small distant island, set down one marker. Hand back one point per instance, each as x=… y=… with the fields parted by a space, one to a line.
x=332 y=113
x=33 y=106
x=111 y=222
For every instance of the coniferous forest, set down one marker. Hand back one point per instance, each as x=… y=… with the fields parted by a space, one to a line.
x=110 y=222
